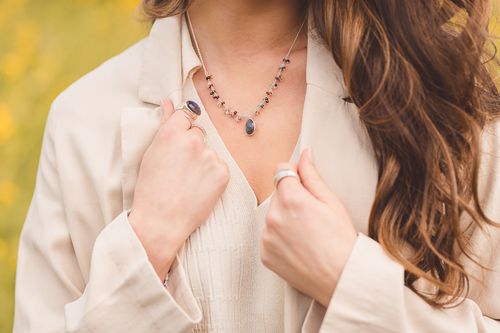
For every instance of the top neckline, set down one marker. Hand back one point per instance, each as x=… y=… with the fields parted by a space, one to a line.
x=215 y=140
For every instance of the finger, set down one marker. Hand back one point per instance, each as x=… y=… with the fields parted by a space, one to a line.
x=201 y=129
x=273 y=214
x=168 y=109
x=198 y=132
x=178 y=121
x=311 y=179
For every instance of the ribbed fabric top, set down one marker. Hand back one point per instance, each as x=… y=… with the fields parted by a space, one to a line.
x=221 y=258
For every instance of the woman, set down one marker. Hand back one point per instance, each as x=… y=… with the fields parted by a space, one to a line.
x=145 y=221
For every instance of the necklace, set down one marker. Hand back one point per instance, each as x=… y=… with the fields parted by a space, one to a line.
x=250 y=124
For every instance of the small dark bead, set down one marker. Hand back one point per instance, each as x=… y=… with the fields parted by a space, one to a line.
x=212 y=92
x=211 y=85
x=278 y=77
x=269 y=93
x=266 y=99
x=286 y=60
x=208 y=77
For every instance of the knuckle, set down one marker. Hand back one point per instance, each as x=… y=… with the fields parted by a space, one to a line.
x=272 y=221
x=217 y=167
x=194 y=142
x=265 y=259
x=223 y=173
x=290 y=199
x=266 y=251
x=225 y=169
x=212 y=157
x=165 y=132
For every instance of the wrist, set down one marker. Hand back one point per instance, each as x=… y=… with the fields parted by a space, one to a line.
x=161 y=246
x=328 y=281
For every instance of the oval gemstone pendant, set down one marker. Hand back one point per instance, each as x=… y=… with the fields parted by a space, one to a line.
x=250 y=126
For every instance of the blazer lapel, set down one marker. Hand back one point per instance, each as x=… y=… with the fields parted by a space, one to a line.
x=161 y=75
x=332 y=128
x=138 y=127
x=161 y=79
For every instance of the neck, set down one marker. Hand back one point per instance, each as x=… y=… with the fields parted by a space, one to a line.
x=247 y=28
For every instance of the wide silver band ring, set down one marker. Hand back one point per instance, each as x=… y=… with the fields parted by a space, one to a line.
x=282 y=173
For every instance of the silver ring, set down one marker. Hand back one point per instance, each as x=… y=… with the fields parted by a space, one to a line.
x=282 y=173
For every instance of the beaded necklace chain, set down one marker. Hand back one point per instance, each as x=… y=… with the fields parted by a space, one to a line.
x=250 y=124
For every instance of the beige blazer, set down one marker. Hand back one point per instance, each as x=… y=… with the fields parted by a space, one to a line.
x=82 y=269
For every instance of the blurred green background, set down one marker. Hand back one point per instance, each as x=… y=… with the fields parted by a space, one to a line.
x=44 y=46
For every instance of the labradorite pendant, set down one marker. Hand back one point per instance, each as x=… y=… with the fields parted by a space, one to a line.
x=250 y=126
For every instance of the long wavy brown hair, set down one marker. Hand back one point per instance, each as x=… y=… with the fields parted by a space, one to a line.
x=420 y=74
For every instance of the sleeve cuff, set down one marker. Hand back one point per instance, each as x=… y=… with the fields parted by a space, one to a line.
x=181 y=303
x=360 y=297
x=123 y=282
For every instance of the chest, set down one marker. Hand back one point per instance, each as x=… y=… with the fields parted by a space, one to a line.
x=277 y=125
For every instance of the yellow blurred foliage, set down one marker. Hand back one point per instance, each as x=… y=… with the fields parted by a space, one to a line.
x=8 y=192
x=7 y=126
x=3 y=248
x=17 y=60
x=44 y=47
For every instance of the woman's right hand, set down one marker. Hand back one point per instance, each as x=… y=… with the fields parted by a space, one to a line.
x=180 y=180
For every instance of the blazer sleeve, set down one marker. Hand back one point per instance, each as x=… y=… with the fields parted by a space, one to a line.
x=121 y=293
x=371 y=295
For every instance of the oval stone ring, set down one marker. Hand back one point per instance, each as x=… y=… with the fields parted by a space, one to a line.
x=191 y=109
x=282 y=173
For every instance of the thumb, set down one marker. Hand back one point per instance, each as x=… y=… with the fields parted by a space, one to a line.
x=168 y=109
x=311 y=179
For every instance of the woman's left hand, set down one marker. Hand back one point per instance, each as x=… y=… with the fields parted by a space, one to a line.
x=308 y=235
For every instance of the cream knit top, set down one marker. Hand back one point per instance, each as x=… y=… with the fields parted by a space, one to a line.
x=235 y=291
